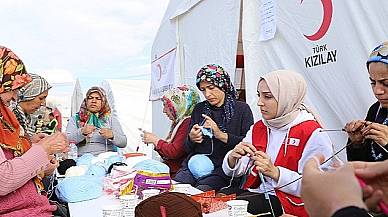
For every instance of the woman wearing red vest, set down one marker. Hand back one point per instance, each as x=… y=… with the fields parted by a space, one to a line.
x=278 y=146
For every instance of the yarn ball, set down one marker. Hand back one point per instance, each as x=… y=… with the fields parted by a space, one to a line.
x=64 y=165
x=153 y=166
x=85 y=159
x=76 y=171
x=79 y=188
x=200 y=165
x=113 y=159
x=97 y=170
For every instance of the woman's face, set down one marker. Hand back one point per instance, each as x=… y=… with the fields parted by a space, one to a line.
x=168 y=112
x=214 y=95
x=267 y=102
x=9 y=96
x=31 y=106
x=378 y=75
x=94 y=102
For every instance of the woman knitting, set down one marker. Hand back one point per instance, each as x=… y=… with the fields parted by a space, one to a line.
x=93 y=128
x=23 y=162
x=217 y=125
x=178 y=104
x=273 y=153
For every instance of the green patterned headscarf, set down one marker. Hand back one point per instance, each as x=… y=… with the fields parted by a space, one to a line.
x=96 y=119
x=181 y=101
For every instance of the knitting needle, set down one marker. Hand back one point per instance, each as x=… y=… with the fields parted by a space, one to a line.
x=331 y=130
x=266 y=195
x=260 y=214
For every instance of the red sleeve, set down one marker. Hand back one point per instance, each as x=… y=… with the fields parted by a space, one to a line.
x=175 y=149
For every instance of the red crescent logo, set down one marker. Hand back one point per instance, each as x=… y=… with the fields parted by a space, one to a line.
x=327 y=15
x=160 y=71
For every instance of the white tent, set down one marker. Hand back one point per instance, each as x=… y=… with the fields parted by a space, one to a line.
x=76 y=98
x=129 y=102
x=203 y=32
x=326 y=41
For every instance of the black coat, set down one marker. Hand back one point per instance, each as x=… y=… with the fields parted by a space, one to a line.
x=369 y=150
x=236 y=129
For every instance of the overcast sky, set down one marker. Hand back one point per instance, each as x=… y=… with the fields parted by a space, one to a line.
x=89 y=39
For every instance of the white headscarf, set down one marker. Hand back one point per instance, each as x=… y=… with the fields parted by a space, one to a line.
x=289 y=89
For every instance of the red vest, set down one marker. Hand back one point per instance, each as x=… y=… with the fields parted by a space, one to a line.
x=297 y=139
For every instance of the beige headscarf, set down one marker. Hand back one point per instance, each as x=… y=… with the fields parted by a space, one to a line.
x=289 y=89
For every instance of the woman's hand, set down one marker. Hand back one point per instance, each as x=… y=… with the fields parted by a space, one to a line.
x=324 y=193
x=55 y=143
x=264 y=164
x=377 y=132
x=53 y=164
x=375 y=175
x=87 y=130
x=353 y=129
x=217 y=133
x=195 y=134
x=148 y=137
x=239 y=151
x=37 y=137
x=106 y=133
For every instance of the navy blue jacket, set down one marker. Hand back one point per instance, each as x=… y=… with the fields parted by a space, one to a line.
x=236 y=129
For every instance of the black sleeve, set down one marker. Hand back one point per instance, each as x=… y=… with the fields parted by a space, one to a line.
x=196 y=115
x=361 y=152
x=246 y=123
x=351 y=211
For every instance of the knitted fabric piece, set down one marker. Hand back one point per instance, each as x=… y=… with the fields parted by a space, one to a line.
x=175 y=205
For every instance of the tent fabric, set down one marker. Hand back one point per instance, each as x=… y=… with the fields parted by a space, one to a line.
x=204 y=31
x=129 y=103
x=339 y=89
x=76 y=98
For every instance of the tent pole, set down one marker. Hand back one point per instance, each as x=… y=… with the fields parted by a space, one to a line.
x=180 y=52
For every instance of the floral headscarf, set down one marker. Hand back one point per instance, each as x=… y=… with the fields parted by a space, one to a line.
x=217 y=76
x=96 y=119
x=181 y=102
x=13 y=73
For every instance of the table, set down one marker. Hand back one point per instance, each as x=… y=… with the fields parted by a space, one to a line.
x=94 y=207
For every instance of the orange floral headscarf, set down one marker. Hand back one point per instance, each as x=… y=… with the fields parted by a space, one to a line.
x=13 y=75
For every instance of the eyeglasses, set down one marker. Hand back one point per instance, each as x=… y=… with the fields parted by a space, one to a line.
x=95 y=98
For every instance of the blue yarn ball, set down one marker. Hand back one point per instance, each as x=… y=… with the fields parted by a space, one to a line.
x=85 y=159
x=97 y=170
x=200 y=165
x=152 y=166
x=113 y=159
x=79 y=188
